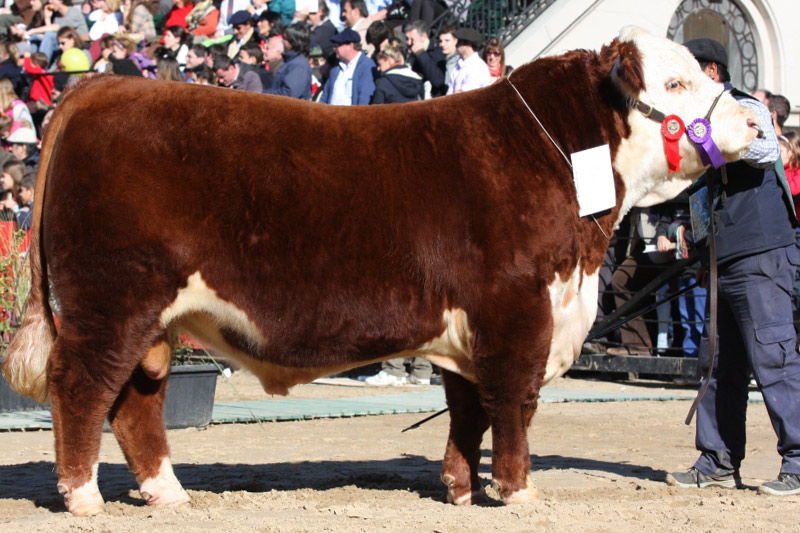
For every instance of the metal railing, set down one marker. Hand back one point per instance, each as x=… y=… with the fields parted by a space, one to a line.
x=504 y=19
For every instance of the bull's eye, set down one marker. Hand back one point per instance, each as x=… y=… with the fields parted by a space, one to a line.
x=674 y=85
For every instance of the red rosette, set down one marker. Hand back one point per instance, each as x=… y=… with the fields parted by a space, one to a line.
x=672 y=129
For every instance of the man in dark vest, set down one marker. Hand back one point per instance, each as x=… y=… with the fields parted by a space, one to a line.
x=756 y=257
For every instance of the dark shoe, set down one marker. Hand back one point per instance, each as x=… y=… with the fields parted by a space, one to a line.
x=694 y=478
x=625 y=350
x=785 y=485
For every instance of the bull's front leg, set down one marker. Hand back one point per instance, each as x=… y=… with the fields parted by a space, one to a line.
x=509 y=369
x=468 y=423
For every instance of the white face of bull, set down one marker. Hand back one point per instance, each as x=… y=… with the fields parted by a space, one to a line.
x=675 y=85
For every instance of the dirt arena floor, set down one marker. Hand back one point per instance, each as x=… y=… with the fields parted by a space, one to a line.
x=599 y=467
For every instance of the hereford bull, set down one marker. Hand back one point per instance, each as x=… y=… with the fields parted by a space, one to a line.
x=301 y=240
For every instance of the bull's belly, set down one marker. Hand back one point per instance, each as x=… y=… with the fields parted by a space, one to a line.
x=574 y=304
x=202 y=314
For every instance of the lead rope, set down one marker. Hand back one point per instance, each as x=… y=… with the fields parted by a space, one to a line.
x=712 y=314
x=554 y=144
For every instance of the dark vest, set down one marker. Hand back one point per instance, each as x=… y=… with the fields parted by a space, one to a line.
x=754 y=216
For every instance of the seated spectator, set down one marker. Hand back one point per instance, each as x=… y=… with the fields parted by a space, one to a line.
x=294 y=77
x=470 y=72
x=203 y=20
x=195 y=56
x=103 y=63
x=322 y=29
x=243 y=33
x=167 y=69
x=175 y=45
x=494 y=55
x=9 y=67
x=270 y=24
x=319 y=71
x=42 y=85
x=226 y=9
x=125 y=59
x=43 y=37
x=138 y=21
x=273 y=54
x=230 y=75
x=356 y=16
x=13 y=170
x=212 y=52
x=67 y=39
x=426 y=59
x=251 y=58
x=13 y=107
x=380 y=35
x=285 y=8
x=107 y=19
x=397 y=83
x=201 y=75
x=352 y=79
x=25 y=195
x=177 y=16
x=24 y=145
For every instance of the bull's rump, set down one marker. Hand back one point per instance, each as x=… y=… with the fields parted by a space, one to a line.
x=344 y=232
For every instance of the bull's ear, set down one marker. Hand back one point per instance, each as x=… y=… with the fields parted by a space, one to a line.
x=623 y=62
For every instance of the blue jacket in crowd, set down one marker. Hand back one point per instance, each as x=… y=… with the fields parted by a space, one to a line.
x=363 y=82
x=293 y=78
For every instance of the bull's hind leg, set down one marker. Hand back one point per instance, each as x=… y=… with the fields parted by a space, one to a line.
x=468 y=423
x=138 y=423
x=84 y=382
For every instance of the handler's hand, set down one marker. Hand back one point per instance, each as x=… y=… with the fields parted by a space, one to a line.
x=664 y=245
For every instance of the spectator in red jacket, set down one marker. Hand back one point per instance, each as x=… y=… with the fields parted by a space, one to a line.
x=42 y=86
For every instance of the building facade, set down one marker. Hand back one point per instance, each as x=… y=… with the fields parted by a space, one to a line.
x=762 y=36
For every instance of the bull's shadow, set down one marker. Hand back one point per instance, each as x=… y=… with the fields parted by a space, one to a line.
x=36 y=481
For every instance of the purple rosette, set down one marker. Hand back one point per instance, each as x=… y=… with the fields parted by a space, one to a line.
x=699 y=131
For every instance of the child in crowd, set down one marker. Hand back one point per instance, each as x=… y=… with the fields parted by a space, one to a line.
x=13 y=171
x=42 y=86
x=252 y=58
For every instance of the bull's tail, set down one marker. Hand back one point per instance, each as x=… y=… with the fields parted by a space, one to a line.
x=26 y=363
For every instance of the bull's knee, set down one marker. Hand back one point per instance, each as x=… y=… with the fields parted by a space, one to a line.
x=82 y=499
x=163 y=489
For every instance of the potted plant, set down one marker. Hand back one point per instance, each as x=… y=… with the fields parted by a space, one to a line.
x=193 y=377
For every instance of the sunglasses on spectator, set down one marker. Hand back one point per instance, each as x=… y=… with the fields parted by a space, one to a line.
x=492 y=53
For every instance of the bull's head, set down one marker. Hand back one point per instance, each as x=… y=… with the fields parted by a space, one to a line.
x=664 y=75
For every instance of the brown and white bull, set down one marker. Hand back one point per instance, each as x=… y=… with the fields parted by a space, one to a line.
x=300 y=240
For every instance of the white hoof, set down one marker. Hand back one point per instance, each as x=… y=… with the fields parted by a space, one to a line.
x=84 y=500
x=164 y=489
x=527 y=494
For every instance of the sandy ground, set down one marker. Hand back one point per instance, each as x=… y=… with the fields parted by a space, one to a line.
x=598 y=466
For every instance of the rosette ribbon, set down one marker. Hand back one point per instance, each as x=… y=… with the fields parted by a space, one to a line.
x=672 y=128
x=699 y=132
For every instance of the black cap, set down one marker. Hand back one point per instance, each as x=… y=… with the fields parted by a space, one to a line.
x=705 y=49
x=240 y=17
x=346 y=36
x=470 y=35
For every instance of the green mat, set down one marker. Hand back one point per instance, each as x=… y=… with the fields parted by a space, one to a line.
x=307 y=409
